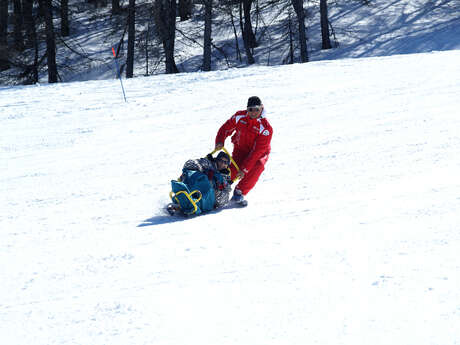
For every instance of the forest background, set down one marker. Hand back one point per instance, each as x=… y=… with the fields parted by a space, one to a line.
x=69 y=40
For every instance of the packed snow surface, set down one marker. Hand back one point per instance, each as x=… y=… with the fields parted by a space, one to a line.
x=351 y=236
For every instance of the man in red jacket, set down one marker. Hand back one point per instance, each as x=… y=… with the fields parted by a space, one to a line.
x=251 y=145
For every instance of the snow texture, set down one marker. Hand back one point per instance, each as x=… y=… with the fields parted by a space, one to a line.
x=351 y=235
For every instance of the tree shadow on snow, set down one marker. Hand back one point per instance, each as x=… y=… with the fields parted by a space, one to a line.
x=410 y=31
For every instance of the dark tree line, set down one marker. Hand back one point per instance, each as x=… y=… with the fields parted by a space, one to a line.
x=30 y=41
x=26 y=16
x=4 y=63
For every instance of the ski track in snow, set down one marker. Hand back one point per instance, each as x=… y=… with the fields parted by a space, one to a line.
x=351 y=235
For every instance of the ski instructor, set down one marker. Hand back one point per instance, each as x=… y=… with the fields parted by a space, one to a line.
x=251 y=145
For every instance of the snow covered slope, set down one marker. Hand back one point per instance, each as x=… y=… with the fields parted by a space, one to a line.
x=351 y=236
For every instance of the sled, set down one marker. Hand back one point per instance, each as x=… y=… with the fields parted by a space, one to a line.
x=185 y=199
x=193 y=194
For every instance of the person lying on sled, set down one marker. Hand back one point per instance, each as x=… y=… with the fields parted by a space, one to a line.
x=218 y=172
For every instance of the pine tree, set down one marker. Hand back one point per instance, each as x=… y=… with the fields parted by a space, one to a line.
x=4 y=63
x=65 y=29
x=207 y=35
x=326 y=42
x=298 y=8
x=46 y=7
x=131 y=38
x=165 y=22
x=18 y=25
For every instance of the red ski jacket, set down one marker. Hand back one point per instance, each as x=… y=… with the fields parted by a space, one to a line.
x=251 y=140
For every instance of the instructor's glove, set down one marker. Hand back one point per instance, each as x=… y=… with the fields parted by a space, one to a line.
x=240 y=174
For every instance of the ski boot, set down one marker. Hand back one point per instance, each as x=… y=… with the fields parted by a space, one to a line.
x=238 y=198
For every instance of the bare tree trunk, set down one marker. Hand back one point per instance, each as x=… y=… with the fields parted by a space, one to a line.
x=131 y=38
x=18 y=25
x=207 y=35
x=35 y=66
x=116 y=9
x=98 y=3
x=50 y=41
x=31 y=38
x=324 y=25
x=185 y=9
x=248 y=31
x=65 y=30
x=237 y=46
x=3 y=21
x=291 y=41
x=147 y=40
x=165 y=21
x=298 y=8
x=29 y=23
x=4 y=64
x=247 y=46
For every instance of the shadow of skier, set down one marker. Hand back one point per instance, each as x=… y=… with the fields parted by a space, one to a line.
x=159 y=220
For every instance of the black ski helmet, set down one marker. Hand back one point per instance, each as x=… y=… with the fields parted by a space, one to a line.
x=254 y=101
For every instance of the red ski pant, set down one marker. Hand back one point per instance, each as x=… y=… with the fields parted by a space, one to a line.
x=250 y=179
